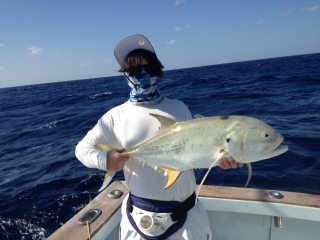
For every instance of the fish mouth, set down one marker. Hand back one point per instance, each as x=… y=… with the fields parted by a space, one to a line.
x=279 y=149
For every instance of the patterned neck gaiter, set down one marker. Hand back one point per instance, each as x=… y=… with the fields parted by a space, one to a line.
x=143 y=88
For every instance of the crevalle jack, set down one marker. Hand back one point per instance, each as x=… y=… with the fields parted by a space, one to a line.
x=202 y=142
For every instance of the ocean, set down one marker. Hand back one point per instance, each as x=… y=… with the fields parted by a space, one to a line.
x=42 y=184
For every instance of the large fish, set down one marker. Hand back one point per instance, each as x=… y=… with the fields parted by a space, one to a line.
x=202 y=142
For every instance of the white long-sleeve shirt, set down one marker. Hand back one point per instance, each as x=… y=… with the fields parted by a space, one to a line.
x=126 y=126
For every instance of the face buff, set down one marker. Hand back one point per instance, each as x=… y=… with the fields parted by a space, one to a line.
x=143 y=88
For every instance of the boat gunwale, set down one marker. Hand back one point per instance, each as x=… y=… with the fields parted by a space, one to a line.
x=261 y=195
x=73 y=230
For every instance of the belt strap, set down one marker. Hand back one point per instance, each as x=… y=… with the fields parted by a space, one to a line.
x=179 y=212
x=184 y=207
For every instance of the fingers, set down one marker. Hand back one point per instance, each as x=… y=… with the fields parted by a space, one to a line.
x=120 y=150
x=116 y=160
x=240 y=164
x=122 y=157
x=228 y=163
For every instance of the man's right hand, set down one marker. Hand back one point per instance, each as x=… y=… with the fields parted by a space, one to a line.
x=116 y=159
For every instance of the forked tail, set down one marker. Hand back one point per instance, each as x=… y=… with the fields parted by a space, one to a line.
x=109 y=175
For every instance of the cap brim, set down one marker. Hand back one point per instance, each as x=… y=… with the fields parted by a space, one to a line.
x=129 y=44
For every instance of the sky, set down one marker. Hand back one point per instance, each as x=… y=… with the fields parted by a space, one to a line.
x=62 y=40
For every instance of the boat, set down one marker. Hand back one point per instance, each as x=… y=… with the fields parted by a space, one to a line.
x=233 y=212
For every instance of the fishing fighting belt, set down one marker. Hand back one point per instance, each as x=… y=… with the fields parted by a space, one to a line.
x=154 y=219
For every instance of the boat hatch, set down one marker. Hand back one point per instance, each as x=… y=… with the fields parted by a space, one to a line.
x=89 y=216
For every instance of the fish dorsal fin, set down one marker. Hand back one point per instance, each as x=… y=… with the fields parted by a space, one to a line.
x=165 y=121
x=198 y=116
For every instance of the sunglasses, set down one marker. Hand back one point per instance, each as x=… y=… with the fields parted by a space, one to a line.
x=152 y=69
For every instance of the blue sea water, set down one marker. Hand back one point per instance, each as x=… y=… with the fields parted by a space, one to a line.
x=42 y=184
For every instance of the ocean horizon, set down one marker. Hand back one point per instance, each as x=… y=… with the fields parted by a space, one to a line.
x=43 y=185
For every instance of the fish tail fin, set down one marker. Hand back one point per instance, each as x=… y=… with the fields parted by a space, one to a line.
x=103 y=147
x=109 y=175
x=107 y=179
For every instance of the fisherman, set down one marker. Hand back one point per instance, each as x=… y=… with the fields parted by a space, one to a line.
x=150 y=211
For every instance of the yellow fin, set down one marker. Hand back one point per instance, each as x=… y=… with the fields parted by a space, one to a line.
x=172 y=177
x=107 y=179
x=109 y=175
x=103 y=147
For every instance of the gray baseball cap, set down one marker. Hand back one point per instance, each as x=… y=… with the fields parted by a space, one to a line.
x=129 y=44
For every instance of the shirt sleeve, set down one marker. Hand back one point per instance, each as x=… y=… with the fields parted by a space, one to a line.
x=86 y=150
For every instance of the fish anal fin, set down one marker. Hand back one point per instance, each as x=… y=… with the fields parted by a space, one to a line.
x=172 y=177
x=165 y=121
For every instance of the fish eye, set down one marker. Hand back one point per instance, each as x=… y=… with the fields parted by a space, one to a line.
x=265 y=134
x=228 y=140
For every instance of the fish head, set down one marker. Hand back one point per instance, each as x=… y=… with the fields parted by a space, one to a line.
x=255 y=142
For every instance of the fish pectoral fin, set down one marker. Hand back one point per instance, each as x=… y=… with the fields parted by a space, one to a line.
x=172 y=177
x=107 y=179
x=249 y=173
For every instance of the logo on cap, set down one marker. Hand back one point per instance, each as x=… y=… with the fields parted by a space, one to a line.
x=141 y=42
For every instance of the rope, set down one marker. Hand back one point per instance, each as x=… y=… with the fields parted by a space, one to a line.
x=88 y=227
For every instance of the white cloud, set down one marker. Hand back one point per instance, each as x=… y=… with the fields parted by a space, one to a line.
x=178 y=29
x=85 y=64
x=245 y=27
x=310 y=9
x=108 y=61
x=284 y=14
x=1 y=45
x=1 y=69
x=179 y=1
x=171 y=42
x=259 y=22
x=188 y=26
x=35 y=50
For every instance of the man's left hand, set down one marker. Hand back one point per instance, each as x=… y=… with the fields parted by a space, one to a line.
x=228 y=163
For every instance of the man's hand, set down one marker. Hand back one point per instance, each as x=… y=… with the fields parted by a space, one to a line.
x=228 y=163
x=116 y=160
